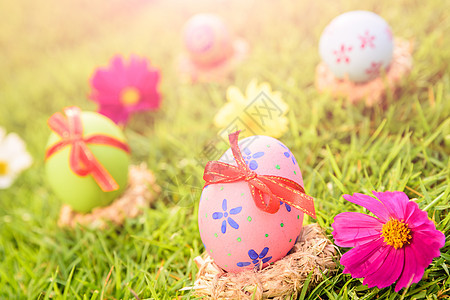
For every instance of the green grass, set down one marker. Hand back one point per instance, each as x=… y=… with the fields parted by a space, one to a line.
x=50 y=48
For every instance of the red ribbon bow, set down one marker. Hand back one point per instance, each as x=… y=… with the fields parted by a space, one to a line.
x=276 y=187
x=82 y=160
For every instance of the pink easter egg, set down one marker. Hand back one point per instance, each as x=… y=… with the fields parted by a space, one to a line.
x=207 y=40
x=235 y=233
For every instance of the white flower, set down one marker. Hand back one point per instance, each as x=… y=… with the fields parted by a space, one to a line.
x=14 y=158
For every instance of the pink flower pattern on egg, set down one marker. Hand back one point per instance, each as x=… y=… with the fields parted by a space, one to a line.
x=367 y=40
x=352 y=42
x=250 y=159
x=235 y=233
x=374 y=69
x=342 y=54
x=224 y=215
x=256 y=259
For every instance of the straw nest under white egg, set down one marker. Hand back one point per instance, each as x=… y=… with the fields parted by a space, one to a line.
x=372 y=92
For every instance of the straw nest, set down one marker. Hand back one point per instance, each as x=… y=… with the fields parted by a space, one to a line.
x=140 y=193
x=313 y=255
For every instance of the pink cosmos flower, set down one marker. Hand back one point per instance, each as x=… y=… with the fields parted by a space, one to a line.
x=121 y=89
x=396 y=246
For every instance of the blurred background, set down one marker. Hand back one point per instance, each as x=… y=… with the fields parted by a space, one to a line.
x=49 y=49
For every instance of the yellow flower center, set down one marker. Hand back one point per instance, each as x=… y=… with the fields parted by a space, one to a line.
x=396 y=233
x=3 y=167
x=129 y=96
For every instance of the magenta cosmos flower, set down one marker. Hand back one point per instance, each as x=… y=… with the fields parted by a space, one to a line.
x=396 y=246
x=121 y=89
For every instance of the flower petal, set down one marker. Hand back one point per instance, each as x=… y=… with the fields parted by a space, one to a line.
x=252 y=89
x=150 y=99
x=275 y=127
x=429 y=235
x=105 y=97
x=427 y=244
x=258 y=154
x=352 y=229
x=21 y=162
x=6 y=181
x=117 y=114
x=234 y=95
x=136 y=71
x=288 y=207
x=233 y=223
x=236 y=210
x=150 y=80
x=252 y=254
x=372 y=204
x=238 y=108
x=11 y=146
x=108 y=84
x=253 y=165
x=412 y=272
x=264 y=260
x=363 y=258
x=223 y=228
x=395 y=203
x=264 y=252
x=226 y=115
x=108 y=80
x=243 y=264
x=13 y=151
x=414 y=216
x=389 y=271
x=146 y=103
x=247 y=151
x=217 y=215
x=2 y=134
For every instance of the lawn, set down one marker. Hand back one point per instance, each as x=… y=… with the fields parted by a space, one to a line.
x=49 y=50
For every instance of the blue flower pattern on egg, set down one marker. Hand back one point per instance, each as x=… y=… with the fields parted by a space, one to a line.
x=250 y=159
x=256 y=258
x=226 y=215
x=288 y=153
x=288 y=207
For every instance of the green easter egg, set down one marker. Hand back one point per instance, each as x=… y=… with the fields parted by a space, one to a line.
x=82 y=193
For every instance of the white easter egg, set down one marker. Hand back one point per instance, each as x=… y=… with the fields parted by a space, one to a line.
x=357 y=44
